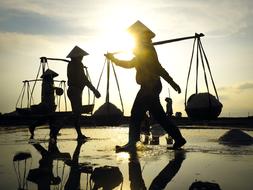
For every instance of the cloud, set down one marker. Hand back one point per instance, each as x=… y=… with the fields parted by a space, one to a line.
x=34 y=23
x=245 y=86
x=30 y=29
x=236 y=88
x=51 y=17
x=49 y=8
x=236 y=99
x=217 y=18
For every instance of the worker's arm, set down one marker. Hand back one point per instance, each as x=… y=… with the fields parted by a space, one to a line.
x=121 y=63
x=160 y=71
x=94 y=90
x=91 y=87
x=165 y=75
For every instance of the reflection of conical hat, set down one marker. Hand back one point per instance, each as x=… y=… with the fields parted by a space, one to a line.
x=77 y=52
x=139 y=28
x=50 y=73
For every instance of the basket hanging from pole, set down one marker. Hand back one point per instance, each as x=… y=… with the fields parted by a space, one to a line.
x=202 y=105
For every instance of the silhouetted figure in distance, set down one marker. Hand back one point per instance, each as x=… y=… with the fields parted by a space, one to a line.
x=148 y=73
x=77 y=80
x=47 y=105
x=145 y=127
x=169 y=109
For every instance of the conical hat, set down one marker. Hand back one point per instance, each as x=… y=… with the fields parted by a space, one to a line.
x=49 y=72
x=139 y=28
x=77 y=52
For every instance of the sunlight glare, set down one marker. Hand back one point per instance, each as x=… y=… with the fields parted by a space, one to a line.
x=121 y=43
x=123 y=156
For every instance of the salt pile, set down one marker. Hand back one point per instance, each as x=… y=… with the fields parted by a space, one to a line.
x=236 y=137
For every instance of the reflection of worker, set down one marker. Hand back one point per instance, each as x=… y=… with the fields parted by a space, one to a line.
x=73 y=181
x=169 y=109
x=162 y=179
x=148 y=72
x=43 y=176
x=77 y=80
x=169 y=171
x=135 y=172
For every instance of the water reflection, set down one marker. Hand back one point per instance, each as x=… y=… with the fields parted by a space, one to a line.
x=43 y=176
x=102 y=177
x=151 y=167
x=20 y=167
x=162 y=179
x=169 y=171
x=107 y=178
x=76 y=169
x=135 y=172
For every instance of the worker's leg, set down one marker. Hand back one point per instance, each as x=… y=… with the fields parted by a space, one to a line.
x=55 y=125
x=137 y=114
x=75 y=96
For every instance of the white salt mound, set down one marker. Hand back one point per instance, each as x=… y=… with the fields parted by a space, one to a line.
x=108 y=109
x=236 y=137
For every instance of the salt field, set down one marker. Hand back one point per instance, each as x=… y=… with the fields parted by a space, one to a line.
x=66 y=164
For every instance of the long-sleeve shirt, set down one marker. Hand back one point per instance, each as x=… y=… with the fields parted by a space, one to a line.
x=147 y=65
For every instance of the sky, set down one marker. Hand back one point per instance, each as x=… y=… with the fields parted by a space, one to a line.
x=30 y=29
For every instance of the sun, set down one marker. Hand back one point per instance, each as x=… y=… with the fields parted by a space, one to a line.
x=121 y=43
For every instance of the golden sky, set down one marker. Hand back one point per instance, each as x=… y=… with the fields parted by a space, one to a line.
x=31 y=29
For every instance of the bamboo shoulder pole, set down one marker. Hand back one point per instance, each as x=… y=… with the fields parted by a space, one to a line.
x=178 y=39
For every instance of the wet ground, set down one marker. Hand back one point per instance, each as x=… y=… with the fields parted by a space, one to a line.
x=68 y=164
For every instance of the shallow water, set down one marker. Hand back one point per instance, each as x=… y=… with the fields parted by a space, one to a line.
x=203 y=159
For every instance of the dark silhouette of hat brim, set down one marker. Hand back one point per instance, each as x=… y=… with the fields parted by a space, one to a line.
x=77 y=52
x=139 y=29
x=49 y=73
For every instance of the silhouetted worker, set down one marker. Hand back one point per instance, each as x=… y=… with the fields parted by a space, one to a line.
x=47 y=105
x=169 y=109
x=47 y=93
x=148 y=73
x=77 y=80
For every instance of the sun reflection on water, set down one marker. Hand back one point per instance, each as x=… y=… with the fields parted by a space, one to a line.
x=123 y=156
x=202 y=152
